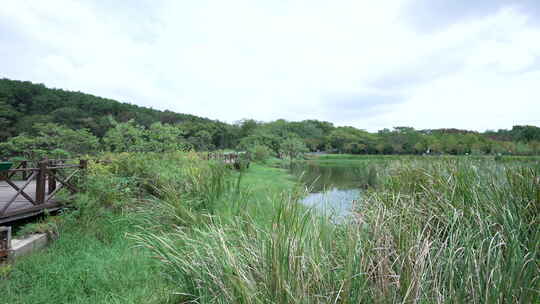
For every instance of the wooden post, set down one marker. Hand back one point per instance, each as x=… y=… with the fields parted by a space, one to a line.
x=51 y=178
x=24 y=165
x=83 y=164
x=5 y=242
x=40 y=182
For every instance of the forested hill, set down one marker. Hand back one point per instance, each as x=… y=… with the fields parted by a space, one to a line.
x=22 y=104
x=35 y=120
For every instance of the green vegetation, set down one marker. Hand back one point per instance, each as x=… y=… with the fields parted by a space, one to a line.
x=173 y=228
x=23 y=104
x=89 y=264
x=36 y=121
x=347 y=172
x=94 y=258
x=437 y=230
x=157 y=224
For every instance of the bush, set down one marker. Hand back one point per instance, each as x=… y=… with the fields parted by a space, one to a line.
x=260 y=153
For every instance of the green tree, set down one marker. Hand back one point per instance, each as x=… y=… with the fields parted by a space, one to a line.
x=201 y=141
x=247 y=127
x=51 y=140
x=420 y=147
x=8 y=117
x=165 y=138
x=351 y=140
x=76 y=142
x=260 y=153
x=293 y=147
x=126 y=137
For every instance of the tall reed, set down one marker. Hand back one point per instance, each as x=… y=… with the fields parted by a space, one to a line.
x=435 y=231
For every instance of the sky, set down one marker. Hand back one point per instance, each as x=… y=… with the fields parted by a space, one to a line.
x=368 y=64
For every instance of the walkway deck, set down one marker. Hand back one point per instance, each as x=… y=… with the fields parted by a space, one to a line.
x=21 y=207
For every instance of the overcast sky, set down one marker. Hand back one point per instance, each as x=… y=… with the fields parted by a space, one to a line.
x=370 y=64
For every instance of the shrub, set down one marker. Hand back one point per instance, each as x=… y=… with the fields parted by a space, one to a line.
x=260 y=153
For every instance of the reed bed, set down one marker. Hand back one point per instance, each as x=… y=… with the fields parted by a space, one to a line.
x=427 y=230
x=433 y=231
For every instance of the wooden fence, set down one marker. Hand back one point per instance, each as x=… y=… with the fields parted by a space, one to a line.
x=31 y=187
x=5 y=242
x=233 y=159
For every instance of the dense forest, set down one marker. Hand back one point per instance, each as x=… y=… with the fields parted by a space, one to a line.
x=36 y=121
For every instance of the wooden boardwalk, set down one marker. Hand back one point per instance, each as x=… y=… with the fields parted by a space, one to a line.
x=21 y=207
x=28 y=189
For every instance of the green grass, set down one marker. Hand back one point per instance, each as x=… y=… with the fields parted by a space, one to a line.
x=91 y=264
x=354 y=161
x=436 y=230
x=433 y=230
x=338 y=159
x=95 y=260
x=262 y=179
x=261 y=187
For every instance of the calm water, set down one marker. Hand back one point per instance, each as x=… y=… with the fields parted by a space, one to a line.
x=337 y=203
x=333 y=188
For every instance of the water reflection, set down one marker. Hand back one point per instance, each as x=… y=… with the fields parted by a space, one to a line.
x=334 y=188
x=335 y=203
x=318 y=178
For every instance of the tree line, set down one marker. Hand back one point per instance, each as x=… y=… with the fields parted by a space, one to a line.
x=37 y=121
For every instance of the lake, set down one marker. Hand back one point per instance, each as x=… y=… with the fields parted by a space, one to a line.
x=332 y=189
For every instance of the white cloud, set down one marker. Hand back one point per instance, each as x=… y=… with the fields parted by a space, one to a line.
x=229 y=60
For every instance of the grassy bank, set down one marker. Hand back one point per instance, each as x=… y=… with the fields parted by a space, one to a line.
x=94 y=258
x=435 y=230
x=172 y=228
x=90 y=264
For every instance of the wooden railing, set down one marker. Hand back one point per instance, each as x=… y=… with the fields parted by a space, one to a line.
x=227 y=158
x=49 y=177
x=5 y=242
x=21 y=167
